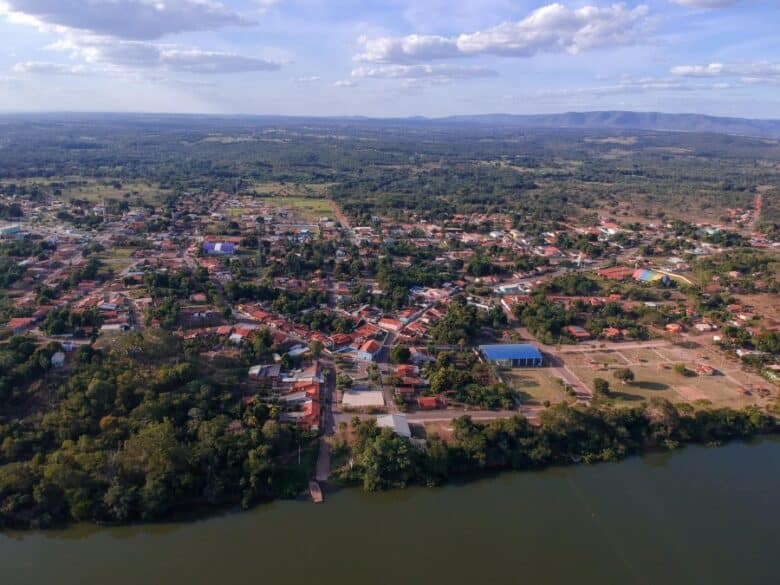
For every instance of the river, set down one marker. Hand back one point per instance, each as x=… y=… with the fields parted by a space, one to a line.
x=699 y=515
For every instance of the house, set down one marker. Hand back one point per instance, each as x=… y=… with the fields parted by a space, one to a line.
x=616 y=273
x=265 y=375
x=577 y=332
x=298 y=350
x=19 y=325
x=198 y=297
x=311 y=374
x=340 y=340
x=114 y=327
x=393 y=325
x=516 y=355
x=420 y=355
x=428 y=402
x=369 y=350
x=58 y=360
x=239 y=334
x=405 y=391
x=365 y=331
x=674 y=328
x=407 y=315
x=407 y=370
x=396 y=422
x=311 y=415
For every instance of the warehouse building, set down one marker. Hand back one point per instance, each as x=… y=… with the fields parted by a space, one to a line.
x=515 y=355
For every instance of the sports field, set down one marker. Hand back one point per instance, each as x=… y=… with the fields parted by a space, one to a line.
x=655 y=375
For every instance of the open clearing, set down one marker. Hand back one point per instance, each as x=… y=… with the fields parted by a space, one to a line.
x=95 y=191
x=308 y=208
x=279 y=189
x=655 y=376
x=535 y=385
x=117 y=258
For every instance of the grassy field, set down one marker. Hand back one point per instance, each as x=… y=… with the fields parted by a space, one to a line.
x=278 y=189
x=535 y=385
x=96 y=190
x=307 y=208
x=655 y=376
x=117 y=258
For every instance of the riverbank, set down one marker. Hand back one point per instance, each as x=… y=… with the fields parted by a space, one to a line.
x=378 y=460
x=694 y=515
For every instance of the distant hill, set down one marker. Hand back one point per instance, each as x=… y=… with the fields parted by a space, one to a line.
x=605 y=121
x=629 y=121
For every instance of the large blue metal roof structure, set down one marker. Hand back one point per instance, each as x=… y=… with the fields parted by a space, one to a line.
x=512 y=352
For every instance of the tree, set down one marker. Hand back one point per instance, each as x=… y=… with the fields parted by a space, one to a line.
x=600 y=388
x=400 y=354
x=625 y=375
x=316 y=347
x=682 y=370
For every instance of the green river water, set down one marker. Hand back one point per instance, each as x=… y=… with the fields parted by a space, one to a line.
x=700 y=515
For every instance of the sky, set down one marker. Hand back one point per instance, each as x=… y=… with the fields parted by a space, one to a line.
x=390 y=58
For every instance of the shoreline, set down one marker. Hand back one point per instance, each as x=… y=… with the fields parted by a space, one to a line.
x=204 y=512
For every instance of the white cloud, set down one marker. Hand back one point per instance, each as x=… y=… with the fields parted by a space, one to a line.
x=197 y=61
x=309 y=79
x=706 y=3
x=45 y=68
x=434 y=73
x=116 y=34
x=143 y=55
x=344 y=83
x=124 y=19
x=264 y=5
x=625 y=86
x=756 y=72
x=711 y=70
x=407 y=49
x=550 y=29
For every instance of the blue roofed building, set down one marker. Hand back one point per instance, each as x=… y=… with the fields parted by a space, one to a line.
x=515 y=355
x=218 y=248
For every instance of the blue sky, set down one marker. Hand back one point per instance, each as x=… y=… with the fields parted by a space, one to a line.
x=390 y=58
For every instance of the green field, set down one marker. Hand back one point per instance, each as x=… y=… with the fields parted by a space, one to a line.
x=535 y=385
x=280 y=189
x=309 y=208
x=95 y=191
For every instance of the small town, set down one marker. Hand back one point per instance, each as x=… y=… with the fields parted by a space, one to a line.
x=410 y=324
x=413 y=291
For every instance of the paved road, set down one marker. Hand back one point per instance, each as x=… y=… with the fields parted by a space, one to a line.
x=328 y=422
x=530 y=412
x=322 y=472
x=383 y=362
x=429 y=416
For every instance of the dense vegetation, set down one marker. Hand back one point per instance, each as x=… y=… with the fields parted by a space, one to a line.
x=382 y=460
x=134 y=433
x=401 y=168
x=464 y=378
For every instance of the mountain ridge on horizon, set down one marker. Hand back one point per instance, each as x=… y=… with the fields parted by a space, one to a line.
x=586 y=120
x=632 y=120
